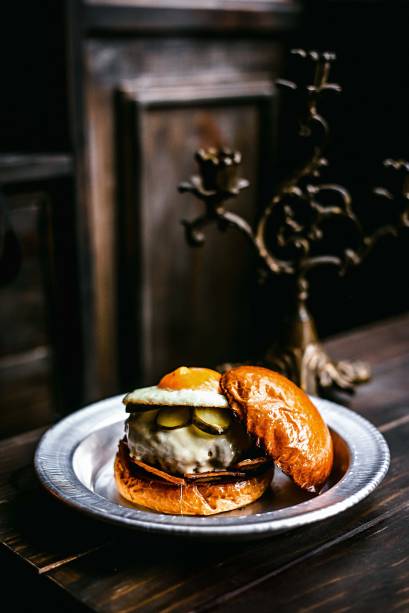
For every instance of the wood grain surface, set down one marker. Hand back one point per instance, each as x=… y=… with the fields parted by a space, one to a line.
x=355 y=562
x=24 y=168
x=190 y=45
x=40 y=341
x=167 y=317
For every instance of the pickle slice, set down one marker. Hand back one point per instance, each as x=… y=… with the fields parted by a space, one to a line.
x=212 y=421
x=201 y=433
x=147 y=417
x=170 y=419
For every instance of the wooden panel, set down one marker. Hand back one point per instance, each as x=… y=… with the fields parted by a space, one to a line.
x=24 y=168
x=233 y=5
x=26 y=391
x=261 y=16
x=25 y=360
x=191 y=302
x=40 y=343
x=204 y=62
x=24 y=300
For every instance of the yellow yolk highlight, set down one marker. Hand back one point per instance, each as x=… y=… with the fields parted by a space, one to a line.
x=191 y=378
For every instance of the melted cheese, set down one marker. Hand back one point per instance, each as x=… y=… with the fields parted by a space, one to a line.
x=184 y=450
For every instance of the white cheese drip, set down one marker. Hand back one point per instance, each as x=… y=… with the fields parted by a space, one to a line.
x=186 y=449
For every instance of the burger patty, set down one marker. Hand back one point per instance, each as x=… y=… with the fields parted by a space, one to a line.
x=186 y=449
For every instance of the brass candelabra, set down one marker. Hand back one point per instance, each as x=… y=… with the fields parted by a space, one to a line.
x=292 y=225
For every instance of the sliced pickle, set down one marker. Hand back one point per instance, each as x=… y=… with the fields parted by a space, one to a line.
x=212 y=421
x=147 y=417
x=170 y=419
x=200 y=433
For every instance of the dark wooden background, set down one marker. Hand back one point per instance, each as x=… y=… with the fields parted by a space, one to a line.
x=40 y=340
x=128 y=93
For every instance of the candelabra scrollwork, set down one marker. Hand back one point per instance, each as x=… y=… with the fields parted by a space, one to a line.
x=299 y=210
x=216 y=183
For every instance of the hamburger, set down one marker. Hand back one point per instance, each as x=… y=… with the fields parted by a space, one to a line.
x=201 y=443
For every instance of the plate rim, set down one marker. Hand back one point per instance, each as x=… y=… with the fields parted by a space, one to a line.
x=53 y=463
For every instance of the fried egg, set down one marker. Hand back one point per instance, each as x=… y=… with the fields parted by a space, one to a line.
x=193 y=387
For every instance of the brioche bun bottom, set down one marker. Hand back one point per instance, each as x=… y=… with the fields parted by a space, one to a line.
x=190 y=498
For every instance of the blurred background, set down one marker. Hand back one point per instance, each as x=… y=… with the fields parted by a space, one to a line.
x=103 y=105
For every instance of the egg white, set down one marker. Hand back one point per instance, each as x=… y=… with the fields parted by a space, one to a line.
x=157 y=396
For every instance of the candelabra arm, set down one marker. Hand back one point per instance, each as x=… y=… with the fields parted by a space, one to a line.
x=236 y=221
x=338 y=189
x=217 y=183
x=224 y=219
x=401 y=196
x=193 y=230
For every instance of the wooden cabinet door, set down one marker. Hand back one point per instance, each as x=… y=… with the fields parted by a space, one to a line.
x=40 y=342
x=152 y=81
x=25 y=351
x=182 y=305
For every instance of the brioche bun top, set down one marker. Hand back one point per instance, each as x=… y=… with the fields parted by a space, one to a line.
x=284 y=421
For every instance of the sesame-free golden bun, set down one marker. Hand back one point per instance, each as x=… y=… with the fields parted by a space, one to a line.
x=285 y=422
x=188 y=498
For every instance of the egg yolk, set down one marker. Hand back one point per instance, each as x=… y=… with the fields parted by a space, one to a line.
x=192 y=379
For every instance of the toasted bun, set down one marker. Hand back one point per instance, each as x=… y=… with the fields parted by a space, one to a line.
x=189 y=498
x=284 y=421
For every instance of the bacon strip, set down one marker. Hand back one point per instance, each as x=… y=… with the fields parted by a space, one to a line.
x=215 y=475
x=239 y=470
x=158 y=473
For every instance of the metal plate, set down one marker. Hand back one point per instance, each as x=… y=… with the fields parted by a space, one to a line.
x=74 y=461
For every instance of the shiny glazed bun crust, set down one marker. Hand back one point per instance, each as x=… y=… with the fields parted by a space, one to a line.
x=285 y=422
x=190 y=498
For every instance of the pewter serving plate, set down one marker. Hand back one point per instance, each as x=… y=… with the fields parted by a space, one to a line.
x=74 y=461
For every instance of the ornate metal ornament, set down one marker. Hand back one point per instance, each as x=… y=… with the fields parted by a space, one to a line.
x=292 y=226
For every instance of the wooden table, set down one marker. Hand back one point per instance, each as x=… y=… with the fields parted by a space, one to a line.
x=358 y=561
